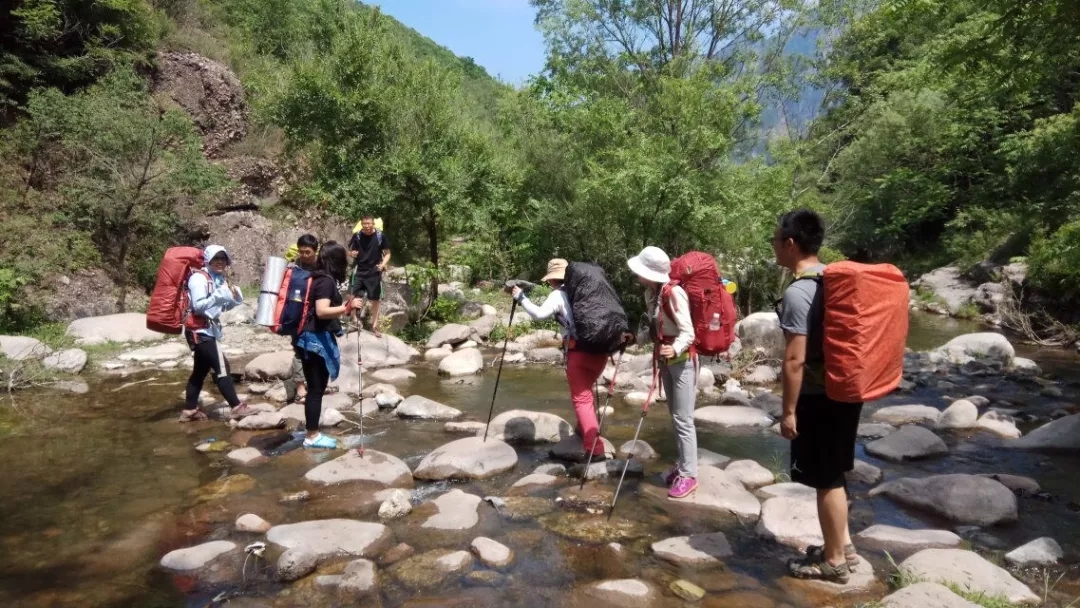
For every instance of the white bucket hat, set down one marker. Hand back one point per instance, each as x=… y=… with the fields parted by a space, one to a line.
x=652 y=264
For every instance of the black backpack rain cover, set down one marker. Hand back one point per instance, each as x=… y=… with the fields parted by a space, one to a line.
x=599 y=318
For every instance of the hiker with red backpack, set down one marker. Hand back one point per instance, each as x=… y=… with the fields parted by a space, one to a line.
x=845 y=326
x=209 y=294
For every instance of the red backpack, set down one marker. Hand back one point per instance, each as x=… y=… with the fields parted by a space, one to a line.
x=170 y=306
x=712 y=309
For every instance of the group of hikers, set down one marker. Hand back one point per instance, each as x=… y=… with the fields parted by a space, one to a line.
x=690 y=315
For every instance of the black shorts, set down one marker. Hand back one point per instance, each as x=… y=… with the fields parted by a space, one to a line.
x=368 y=287
x=825 y=447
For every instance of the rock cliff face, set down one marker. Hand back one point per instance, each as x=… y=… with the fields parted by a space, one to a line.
x=209 y=92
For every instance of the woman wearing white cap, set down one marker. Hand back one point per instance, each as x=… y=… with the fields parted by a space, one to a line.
x=582 y=368
x=673 y=332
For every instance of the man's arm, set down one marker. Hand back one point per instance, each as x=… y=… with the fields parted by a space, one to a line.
x=385 y=260
x=794 y=362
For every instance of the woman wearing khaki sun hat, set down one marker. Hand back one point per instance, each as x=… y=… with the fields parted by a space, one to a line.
x=582 y=368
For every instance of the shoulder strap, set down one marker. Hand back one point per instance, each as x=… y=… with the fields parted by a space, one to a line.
x=306 y=309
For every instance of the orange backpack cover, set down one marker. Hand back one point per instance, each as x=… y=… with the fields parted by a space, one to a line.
x=170 y=309
x=866 y=327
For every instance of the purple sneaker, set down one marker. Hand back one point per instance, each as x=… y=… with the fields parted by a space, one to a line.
x=683 y=487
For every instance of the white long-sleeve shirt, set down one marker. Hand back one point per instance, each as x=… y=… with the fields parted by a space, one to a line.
x=679 y=328
x=555 y=304
x=210 y=298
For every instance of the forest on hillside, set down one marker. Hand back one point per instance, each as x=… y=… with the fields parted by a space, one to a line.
x=947 y=133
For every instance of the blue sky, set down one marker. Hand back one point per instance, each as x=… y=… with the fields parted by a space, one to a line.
x=497 y=34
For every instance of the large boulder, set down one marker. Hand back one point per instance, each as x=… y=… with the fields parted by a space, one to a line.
x=468 y=458
x=457 y=510
x=909 y=443
x=962 y=414
x=194 y=558
x=761 y=331
x=376 y=468
x=1061 y=434
x=1002 y=425
x=898 y=415
x=452 y=334
x=732 y=416
x=71 y=360
x=161 y=352
x=308 y=543
x=123 y=327
x=750 y=474
x=969 y=571
x=209 y=93
x=965 y=499
x=949 y=286
x=465 y=362
x=1043 y=551
x=897 y=541
x=523 y=427
x=926 y=595
x=423 y=408
x=270 y=366
x=483 y=326
x=719 y=493
x=791 y=521
x=22 y=348
x=986 y=346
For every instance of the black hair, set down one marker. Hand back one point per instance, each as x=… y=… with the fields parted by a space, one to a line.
x=309 y=241
x=333 y=261
x=367 y=216
x=805 y=227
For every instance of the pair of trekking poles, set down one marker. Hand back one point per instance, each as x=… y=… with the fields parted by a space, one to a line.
x=596 y=399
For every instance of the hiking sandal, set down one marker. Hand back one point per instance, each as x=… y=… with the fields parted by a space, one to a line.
x=850 y=556
x=818 y=569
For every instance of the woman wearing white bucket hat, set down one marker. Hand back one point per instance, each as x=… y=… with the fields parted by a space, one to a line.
x=674 y=364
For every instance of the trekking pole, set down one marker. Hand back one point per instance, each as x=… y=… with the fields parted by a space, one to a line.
x=629 y=457
x=360 y=375
x=491 y=410
x=600 y=425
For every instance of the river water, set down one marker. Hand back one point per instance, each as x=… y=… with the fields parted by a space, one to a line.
x=99 y=486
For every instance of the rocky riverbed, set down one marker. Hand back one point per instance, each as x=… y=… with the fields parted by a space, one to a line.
x=965 y=478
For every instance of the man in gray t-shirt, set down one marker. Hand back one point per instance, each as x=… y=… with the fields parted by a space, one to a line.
x=822 y=431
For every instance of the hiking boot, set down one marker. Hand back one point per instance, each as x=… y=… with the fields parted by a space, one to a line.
x=850 y=556
x=195 y=415
x=818 y=569
x=321 y=441
x=242 y=411
x=682 y=487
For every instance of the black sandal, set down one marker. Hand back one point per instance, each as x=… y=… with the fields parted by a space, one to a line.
x=818 y=569
x=850 y=556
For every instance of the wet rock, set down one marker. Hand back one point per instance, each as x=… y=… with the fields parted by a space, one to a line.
x=329 y=417
x=732 y=416
x=261 y=421
x=216 y=490
x=266 y=442
x=327 y=538
x=431 y=569
x=270 y=366
x=718 y=492
x=483 y=326
x=374 y=390
x=451 y=334
x=295 y=497
x=546 y=354
x=457 y=510
x=925 y=595
x=735 y=398
x=213 y=447
x=761 y=331
x=436 y=355
x=751 y=474
x=155 y=354
x=71 y=361
x=635 y=398
x=898 y=415
x=295 y=565
x=961 y=414
x=608 y=468
x=1021 y=486
x=555 y=469
x=1024 y=366
x=909 y=443
x=968 y=571
x=374 y=467
x=571 y=449
x=492 y=554
x=467 y=344
x=629 y=593
x=22 y=348
x=193 y=558
x=124 y=327
x=535 y=481
x=77 y=387
x=524 y=427
x=790 y=521
x=367 y=407
x=686 y=590
x=521 y=508
x=761 y=374
x=465 y=428
x=875 y=430
x=249 y=522
x=423 y=408
x=769 y=403
x=707 y=458
x=248 y=457
x=594 y=528
x=637 y=449
x=861 y=581
x=468 y=458
x=388 y=401
x=901 y=541
x=397 y=505
x=948 y=285
x=694 y=551
x=967 y=499
x=980 y=346
x=1039 y=552
x=865 y=473
x=999 y=424
x=358 y=578
x=790 y=490
x=462 y=363
x=396 y=554
x=391 y=375
x=1061 y=434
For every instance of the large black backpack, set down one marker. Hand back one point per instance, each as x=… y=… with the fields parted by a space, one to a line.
x=599 y=318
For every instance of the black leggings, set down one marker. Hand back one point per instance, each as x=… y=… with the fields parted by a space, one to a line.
x=206 y=360
x=317 y=377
